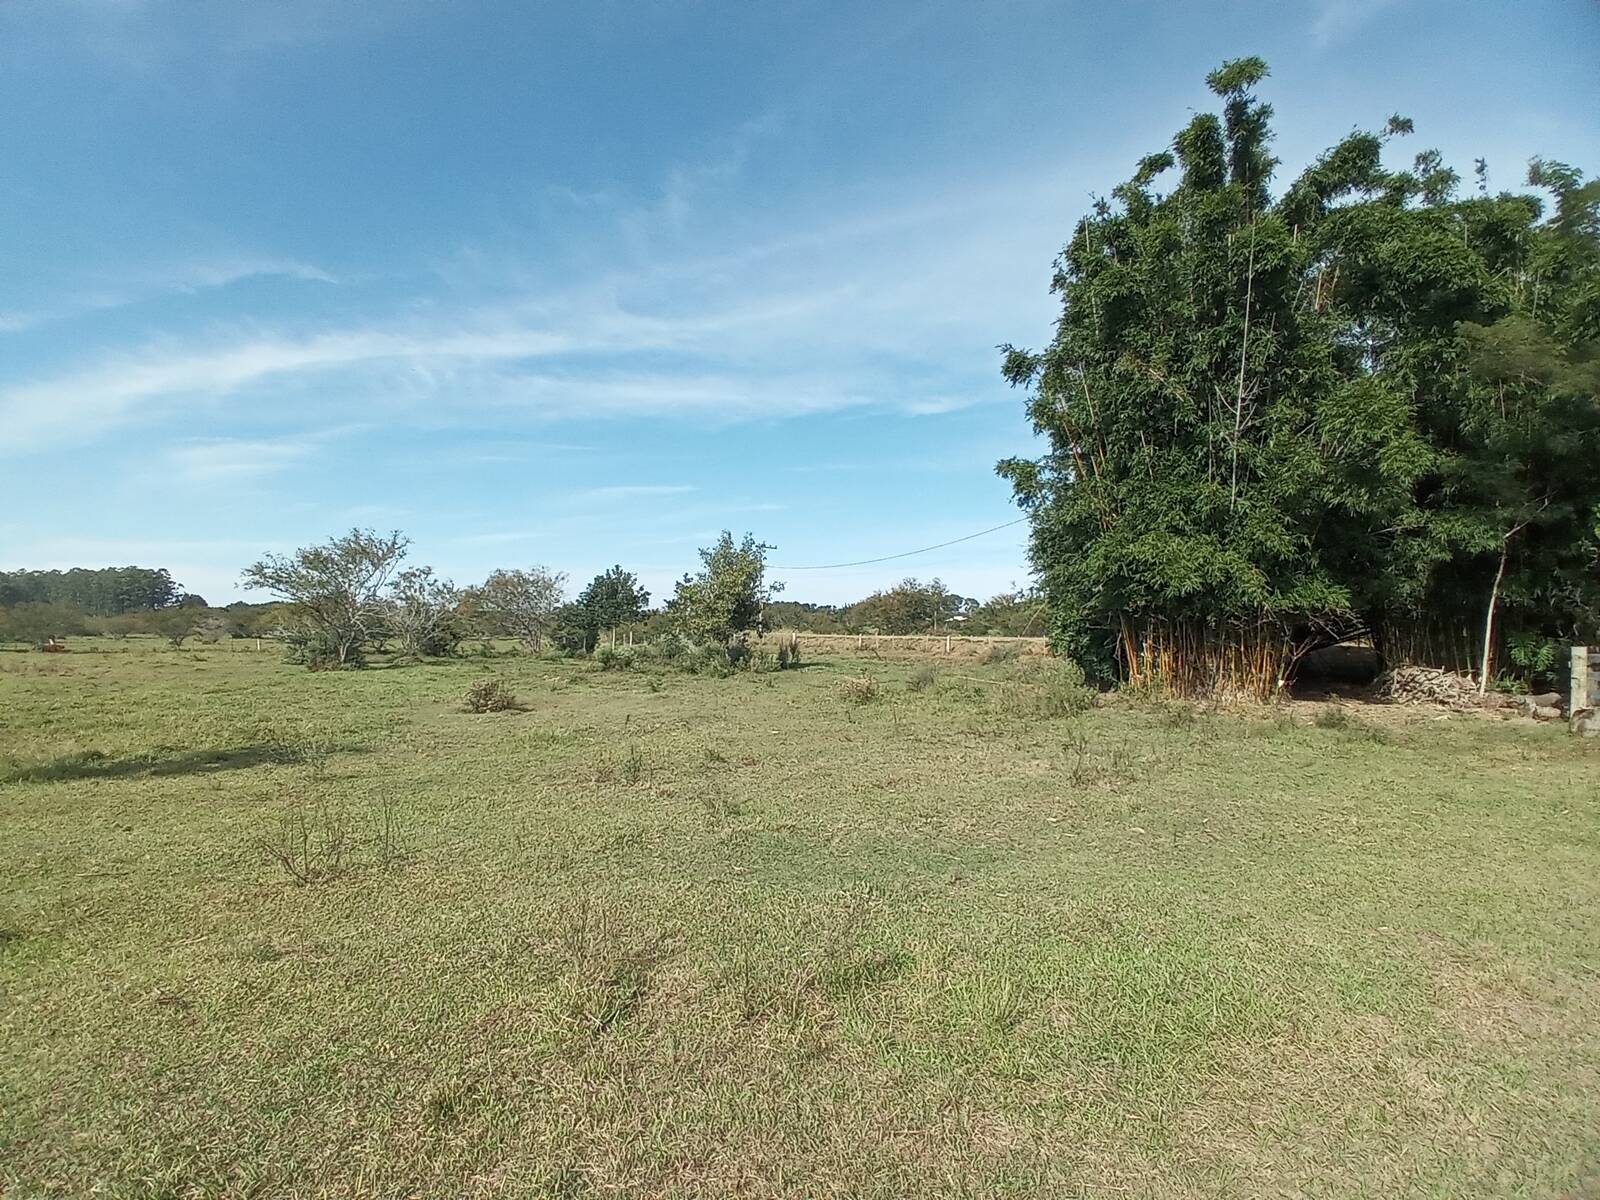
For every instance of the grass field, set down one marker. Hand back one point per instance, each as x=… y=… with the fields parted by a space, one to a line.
x=681 y=936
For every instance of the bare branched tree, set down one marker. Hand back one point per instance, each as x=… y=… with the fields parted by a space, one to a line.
x=424 y=612
x=333 y=592
x=522 y=604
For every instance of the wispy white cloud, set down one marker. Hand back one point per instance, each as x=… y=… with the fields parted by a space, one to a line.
x=143 y=37
x=1337 y=19
x=632 y=491
x=870 y=305
x=186 y=278
x=226 y=460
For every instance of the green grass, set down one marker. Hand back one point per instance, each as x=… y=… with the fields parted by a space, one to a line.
x=681 y=936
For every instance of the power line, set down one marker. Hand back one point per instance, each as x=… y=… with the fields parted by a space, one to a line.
x=907 y=554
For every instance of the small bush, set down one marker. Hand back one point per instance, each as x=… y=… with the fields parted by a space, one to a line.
x=923 y=678
x=762 y=662
x=490 y=695
x=714 y=661
x=860 y=689
x=615 y=658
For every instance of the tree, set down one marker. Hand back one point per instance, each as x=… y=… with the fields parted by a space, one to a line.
x=333 y=593
x=424 y=613
x=1017 y=613
x=1269 y=426
x=911 y=606
x=101 y=592
x=36 y=623
x=522 y=604
x=724 y=601
x=810 y=618
x=612 y=598
x=175 y=624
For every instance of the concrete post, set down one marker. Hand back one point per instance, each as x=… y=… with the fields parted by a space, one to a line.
x=1582 y=691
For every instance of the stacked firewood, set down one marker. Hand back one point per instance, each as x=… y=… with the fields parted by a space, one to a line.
x=1425 y=685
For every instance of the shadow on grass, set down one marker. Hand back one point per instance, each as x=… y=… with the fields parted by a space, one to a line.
x=92 y=764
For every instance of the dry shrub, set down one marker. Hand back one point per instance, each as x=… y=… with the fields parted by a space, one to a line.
x=860 y=689
x=490 y=695
x=923 y=678
x=311 y=842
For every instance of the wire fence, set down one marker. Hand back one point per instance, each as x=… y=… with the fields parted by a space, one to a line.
x=889 y=645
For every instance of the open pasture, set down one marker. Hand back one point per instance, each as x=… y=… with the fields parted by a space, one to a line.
x=267 y=932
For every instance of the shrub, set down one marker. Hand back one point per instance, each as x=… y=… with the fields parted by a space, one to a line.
x=490 y=695
x=1536 y=657
x=860 y=689
x=923 y=678
x=310 y=843
x=308 y=646
x=615 y=658
x=709 y=660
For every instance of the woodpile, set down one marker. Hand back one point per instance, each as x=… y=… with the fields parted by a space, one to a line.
x=1433 y=685
x=1425 y=685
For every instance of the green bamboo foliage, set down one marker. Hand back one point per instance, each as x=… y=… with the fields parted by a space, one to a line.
x=1275 y=421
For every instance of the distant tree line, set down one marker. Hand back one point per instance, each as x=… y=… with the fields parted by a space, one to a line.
x=100 y=592
x=1368 y=405
x=354 y=595
x=916 y=607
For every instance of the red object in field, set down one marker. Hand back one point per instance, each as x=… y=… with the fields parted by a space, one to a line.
x=54 y=646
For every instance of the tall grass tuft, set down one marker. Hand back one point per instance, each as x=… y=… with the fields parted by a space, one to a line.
x=860 y=689
x=1045 y=688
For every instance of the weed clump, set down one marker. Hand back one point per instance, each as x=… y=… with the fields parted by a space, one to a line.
x=1001 y=652
x=316 y=841
x=1343 y=721
x=1333 y=718
x=788 y=650
x=1046 y=688
x=631 y=769
x=860 y=689
x=923 y=678
x=311 y=843
x=490 y=695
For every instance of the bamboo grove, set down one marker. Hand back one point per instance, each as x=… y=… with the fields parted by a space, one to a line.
x=1365 y=405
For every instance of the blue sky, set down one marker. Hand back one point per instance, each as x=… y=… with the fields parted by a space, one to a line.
x=585 y=283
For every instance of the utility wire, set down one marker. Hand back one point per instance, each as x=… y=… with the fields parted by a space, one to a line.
x=907 y=554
